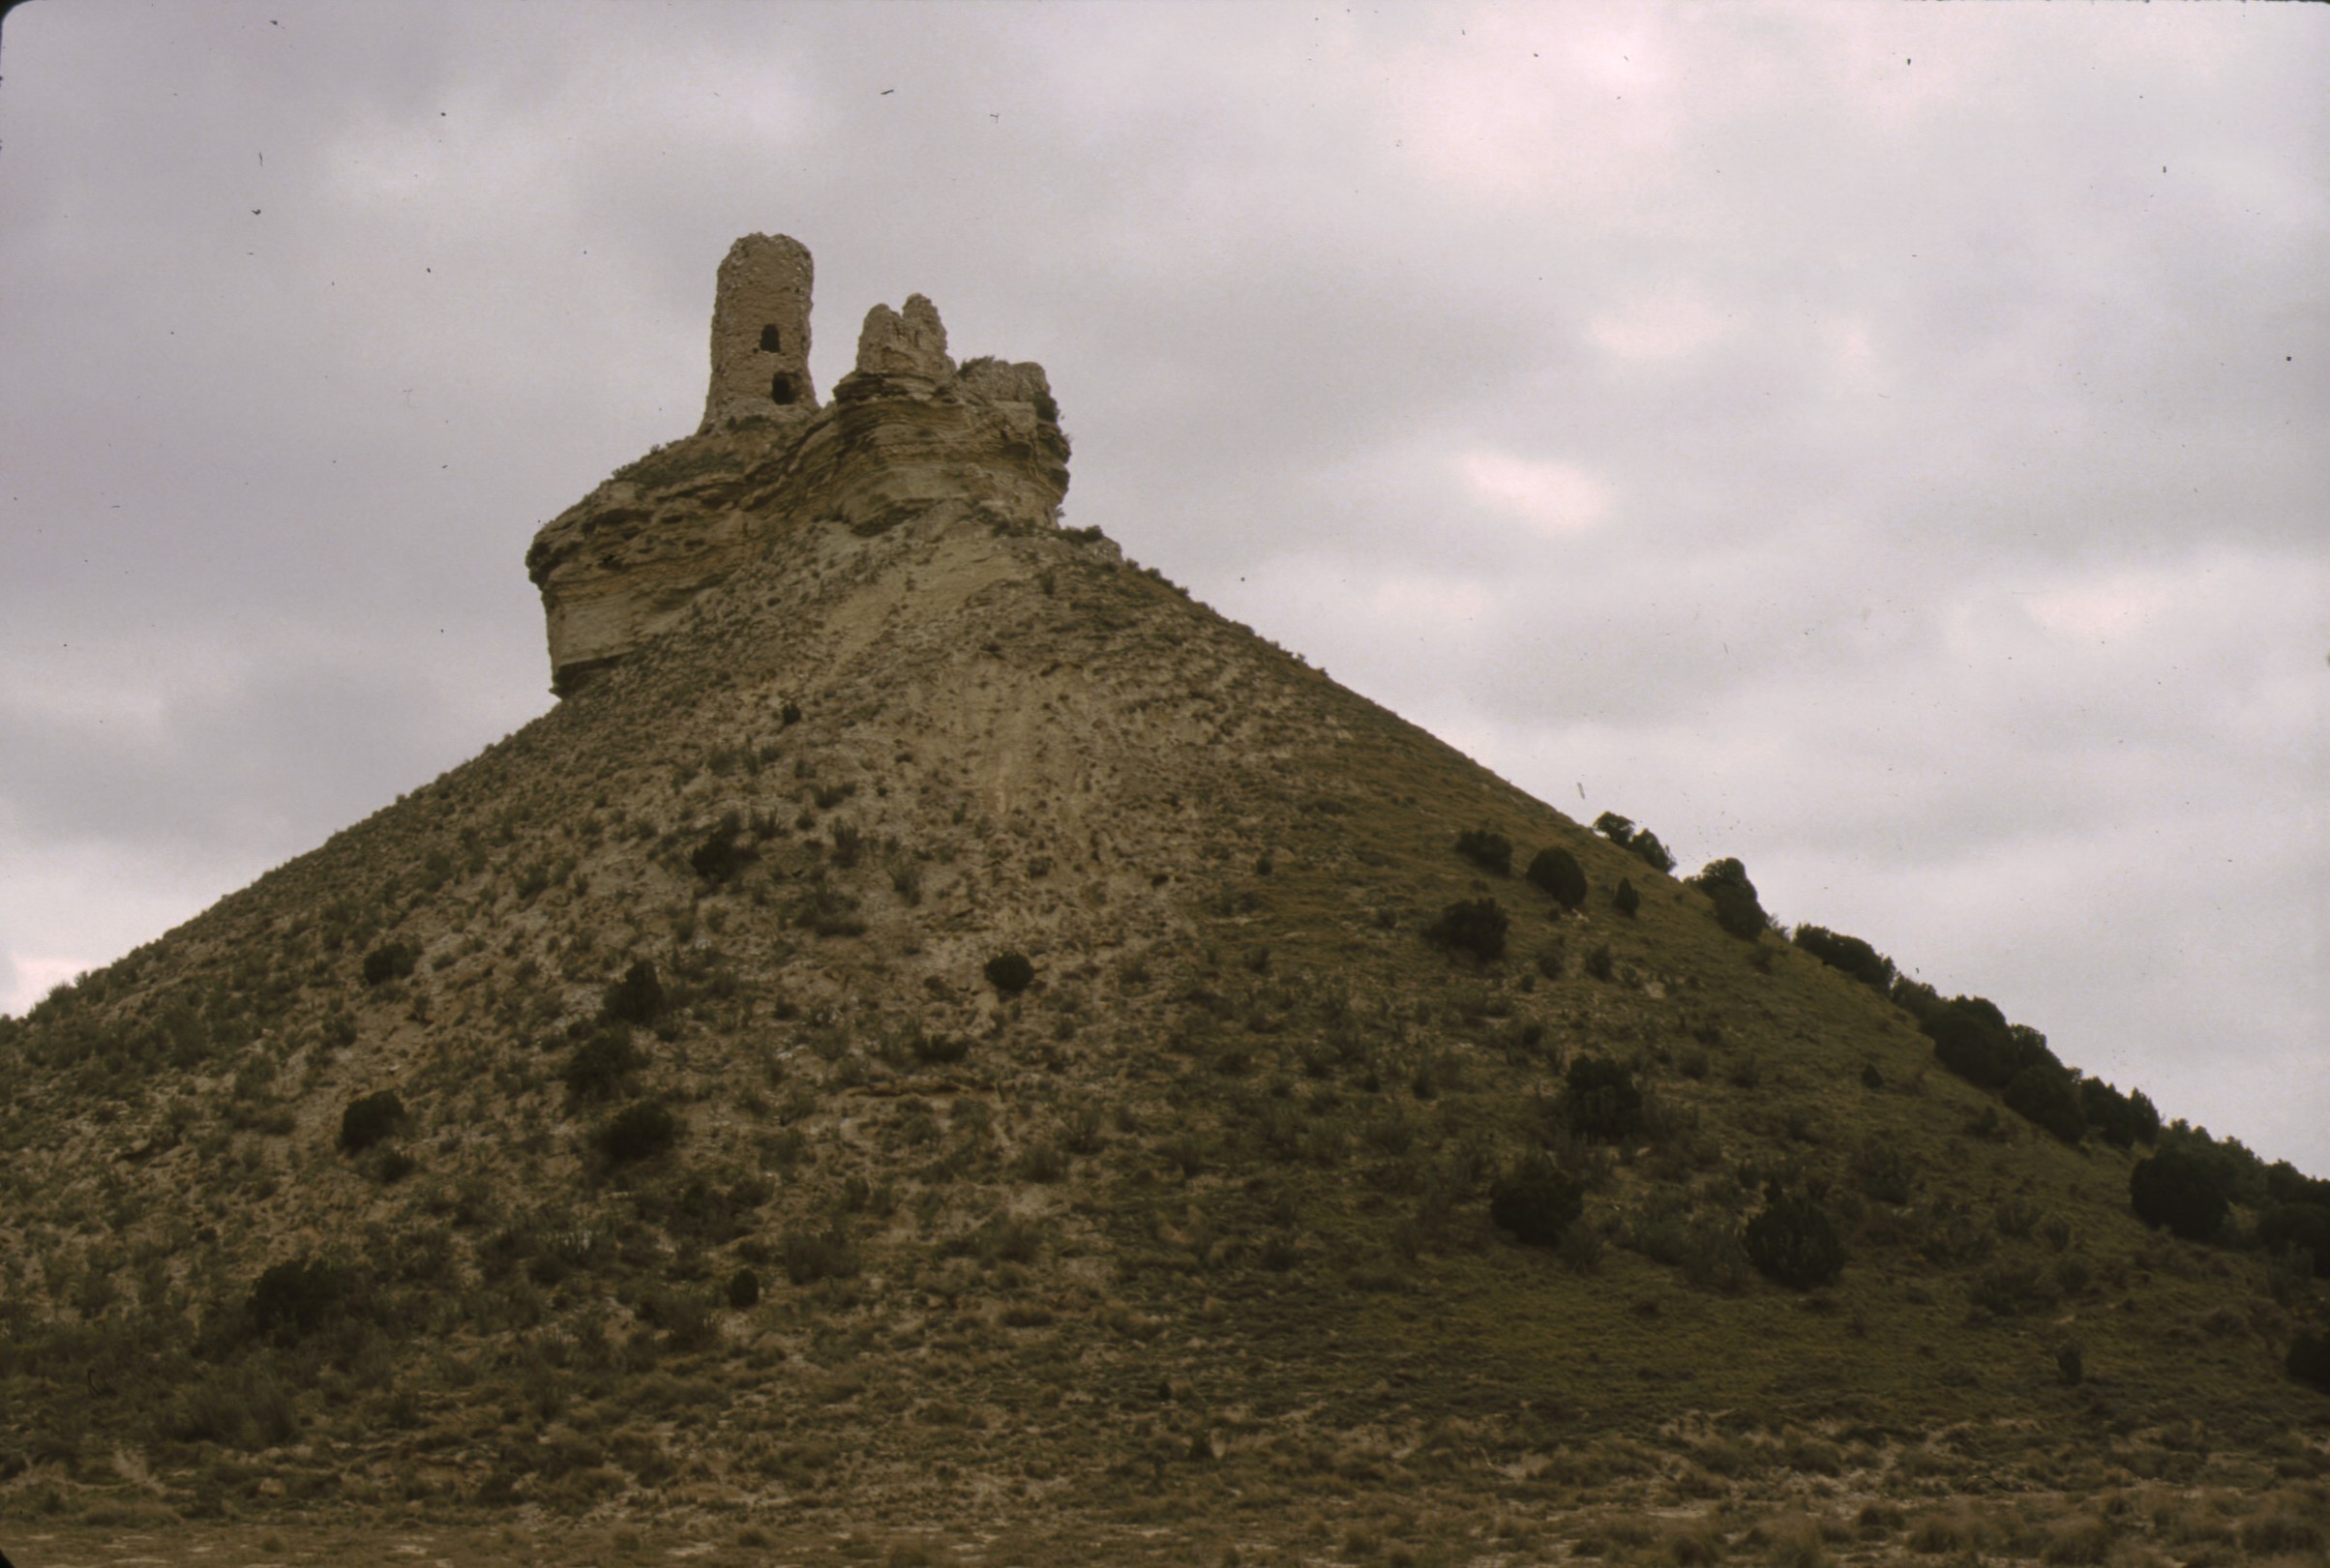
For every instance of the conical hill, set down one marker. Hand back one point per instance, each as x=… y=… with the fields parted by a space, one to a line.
x=942 y=1034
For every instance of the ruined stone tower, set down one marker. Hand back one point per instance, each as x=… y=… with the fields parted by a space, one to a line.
x=910 y=438
x=760 y=332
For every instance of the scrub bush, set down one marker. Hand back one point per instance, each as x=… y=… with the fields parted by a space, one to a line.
x=1601 y=1099
x=1792 y=1243
x=1011 y=973
x=369 y=1120
x=640 y=1130
x=1848 y=953
x=1536 y=1200
x=1558 y=872
x=2176 y=1190
x=1492 y=852
x=638 y=997
x=1475 y=926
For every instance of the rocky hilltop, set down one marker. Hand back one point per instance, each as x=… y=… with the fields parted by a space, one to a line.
x=909 y=433
x=943 y=1049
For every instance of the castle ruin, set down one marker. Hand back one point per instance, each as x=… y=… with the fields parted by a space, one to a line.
x=761 y=331
x=907 y=437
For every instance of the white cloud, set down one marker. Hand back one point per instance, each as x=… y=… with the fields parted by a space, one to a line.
x=27 y=977
x=1555 y=498
x=2116 y=607
x=1662 y=324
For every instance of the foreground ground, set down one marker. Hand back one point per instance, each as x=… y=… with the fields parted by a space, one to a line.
x=2225 y=1510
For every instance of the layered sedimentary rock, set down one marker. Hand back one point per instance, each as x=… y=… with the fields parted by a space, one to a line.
x=907 y=435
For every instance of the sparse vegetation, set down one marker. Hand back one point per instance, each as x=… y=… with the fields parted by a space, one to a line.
x=1259 y=1224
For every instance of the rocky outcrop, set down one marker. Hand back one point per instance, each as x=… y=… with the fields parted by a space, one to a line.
x=907 y=435
x=905 y=342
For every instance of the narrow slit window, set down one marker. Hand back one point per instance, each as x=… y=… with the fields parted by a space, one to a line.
x=772 y=341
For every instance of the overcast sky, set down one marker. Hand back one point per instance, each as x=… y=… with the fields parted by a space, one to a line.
x=1882 y=443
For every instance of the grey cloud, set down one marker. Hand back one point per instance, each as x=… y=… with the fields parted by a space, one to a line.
x=1960 y=346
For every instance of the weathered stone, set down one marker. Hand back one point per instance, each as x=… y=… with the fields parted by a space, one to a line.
x=906 y=438
x=908 y=342
x=761 y=333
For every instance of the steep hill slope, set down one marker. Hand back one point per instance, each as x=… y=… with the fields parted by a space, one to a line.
x=942 y=1032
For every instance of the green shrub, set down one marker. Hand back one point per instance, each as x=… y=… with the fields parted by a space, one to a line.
x=1644 y=843
x=1601 y=1099
x=1882 y=1171
x=369 y=1120
x=1558 y=872
x=294 y=1299
x=723 y=853
x=601 y=1065
x=1714 y=1254
x=1011 y=973
x=2293 y=1226
x=1619 y=830
x=1475 y=926
x=1536 y=1200
x=1726 y=883
x=390 y=960
x=2048 y=1098
x=810 y=1256
x=940 y=1050
x=743 y=1289
x=636 y=998
x=1491 y=851
x=238 y=1408
x=2114 y=1116
x=2012 y=1291
x=1973 y=1038
x=2180 y=1190
x=2310 y=1360
x=1849 y=953
x=1625 y=901
x=1793 y=1243
x=640 y=1130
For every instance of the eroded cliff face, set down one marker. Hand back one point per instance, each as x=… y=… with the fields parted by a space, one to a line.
x=908 y=433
